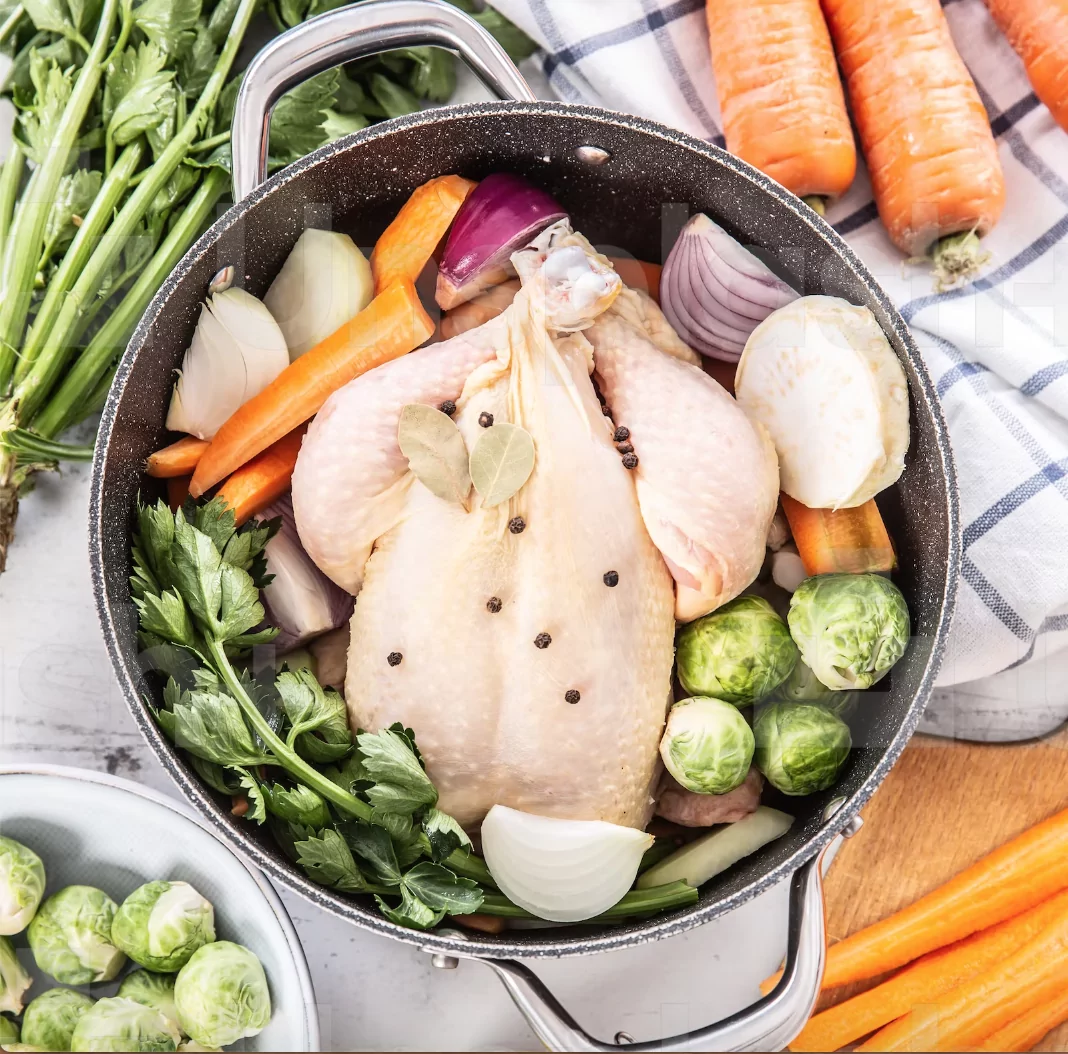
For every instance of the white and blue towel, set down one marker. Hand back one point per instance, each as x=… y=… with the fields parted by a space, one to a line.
x=997 y=348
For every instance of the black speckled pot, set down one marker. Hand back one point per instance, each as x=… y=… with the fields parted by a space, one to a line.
x=636 y=201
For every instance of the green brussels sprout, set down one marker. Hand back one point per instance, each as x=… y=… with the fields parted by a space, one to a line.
x=14 y=980
x=50 y=1019
x=151 y=989
x=9 y=1030
x=71 y=936
x=707 y=745
x=739 y=653
x=800 y=747
x=22 y=883
x=161 y=924
x=122 y=1024
x=850 y=628
x=221 y=995
x=803 y=686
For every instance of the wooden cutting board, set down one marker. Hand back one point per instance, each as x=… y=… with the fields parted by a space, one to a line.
x=943 y=806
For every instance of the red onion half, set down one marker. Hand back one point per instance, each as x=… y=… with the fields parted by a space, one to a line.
x=301 y=601
x=715 y=292
x=501 y=215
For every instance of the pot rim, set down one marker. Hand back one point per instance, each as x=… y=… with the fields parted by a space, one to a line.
x=450 y=940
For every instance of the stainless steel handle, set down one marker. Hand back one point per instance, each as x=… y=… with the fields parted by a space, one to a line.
x=345 y=35
x=769 y=1024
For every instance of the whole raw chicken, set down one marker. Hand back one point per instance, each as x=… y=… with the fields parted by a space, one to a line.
x=530 y=644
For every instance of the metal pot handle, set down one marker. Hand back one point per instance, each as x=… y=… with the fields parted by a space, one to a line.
x=769 y=1024
x=345 y=35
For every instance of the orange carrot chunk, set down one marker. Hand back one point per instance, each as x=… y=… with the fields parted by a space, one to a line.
x=479 y=310
x=639 y=274
x=177 y=491
x=850 y=540
x=1026 y=1030
x=1038 y=32
x=390 y=326
x=263 y=479
x=779 y=93
x=923 y=981
x=410 y=240
x=931 y=155
x=178 y=459
x=1033 y=975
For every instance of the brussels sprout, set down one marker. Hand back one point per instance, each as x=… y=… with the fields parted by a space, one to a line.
x=739 y=653
x=122 y=1024
x=50 y=1019
x=800 y=747
x=850 y=628
x=14 y=980
x=707 y=745
x=9 y=1030
x=161 y=924
x=22 y=883
x=221 y=995
x=71 y=936
x=151 y=989
x=803 y=686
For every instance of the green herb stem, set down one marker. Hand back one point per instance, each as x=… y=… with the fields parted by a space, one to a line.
x=34 y=387
x=10 y=179
x=85 y=242
x=92 y=364
x=11 y=23
x=636 y=902
x=210 y=144
x=468 y=865
x=28 y=445
x=293 y=764
x=22 y=253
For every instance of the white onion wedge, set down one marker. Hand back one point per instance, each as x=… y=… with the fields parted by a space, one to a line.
x=821 y=377
x=237 y=350
x=706 y=857
x=324 y=282
x=561 y=870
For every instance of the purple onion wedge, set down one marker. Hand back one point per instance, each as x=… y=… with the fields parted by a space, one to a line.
x=500 y=216
x=715 y=292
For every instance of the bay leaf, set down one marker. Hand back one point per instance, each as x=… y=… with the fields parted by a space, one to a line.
x=436 y=452
x=501 y=462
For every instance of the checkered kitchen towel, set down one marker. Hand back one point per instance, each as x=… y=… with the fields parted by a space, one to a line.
x=997 y=349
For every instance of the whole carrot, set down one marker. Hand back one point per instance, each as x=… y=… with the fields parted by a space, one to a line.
x=932 y=157
x=779 y=93
x=1032 y=976
x=923 y=981
x=1038 y=32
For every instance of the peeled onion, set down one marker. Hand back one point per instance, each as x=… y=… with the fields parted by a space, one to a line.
x=715 y=292
x=323 y=283
x=237 y=350
x=561 y=870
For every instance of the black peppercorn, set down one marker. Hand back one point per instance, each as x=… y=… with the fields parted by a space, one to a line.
x=448 y=407
x=625 y=448
x=394 y=658
x=493 y=605
x=485 y=419
x=542 y=640
x=572 y=696
x=630 y=460
x=517 y=525
x=611 y=579
x=622 y=434
x=606 y=410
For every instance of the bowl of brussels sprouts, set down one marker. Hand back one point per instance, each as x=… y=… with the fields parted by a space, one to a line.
x=125 y=924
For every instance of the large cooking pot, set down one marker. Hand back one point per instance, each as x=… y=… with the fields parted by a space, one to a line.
x=626 y=183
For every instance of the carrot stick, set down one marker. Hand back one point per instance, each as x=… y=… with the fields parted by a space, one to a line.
x=177 y=491
x=923 y=981
x=178 y=459
x=483 y=923
x=639 y=274
x=1034 y=974
x=1038 y=32
x=850 y=540
x=932 y=157
x=1026 y=1030
x=410 y=240
x=263 y=479
x=390 y=326
x=779 y=92
x=479 y=310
